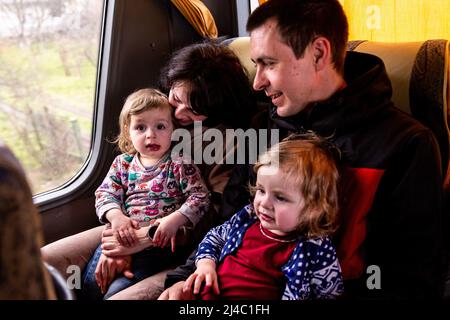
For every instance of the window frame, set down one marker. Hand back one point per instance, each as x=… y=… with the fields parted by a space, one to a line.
x=86 y=179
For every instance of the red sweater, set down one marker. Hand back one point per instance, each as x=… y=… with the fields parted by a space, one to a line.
x=254 y=271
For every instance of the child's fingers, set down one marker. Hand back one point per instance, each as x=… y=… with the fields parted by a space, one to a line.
x=211 y=283
x=164 y=242
x=131 y=236
x=124 y=235
x=198 y=284
x=118 y=236
x=157 y=237
x=208 y=280
x=216 y=286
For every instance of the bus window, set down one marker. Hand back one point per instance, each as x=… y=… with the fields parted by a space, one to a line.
x=48 y=66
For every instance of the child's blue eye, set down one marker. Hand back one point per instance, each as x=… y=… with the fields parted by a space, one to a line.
x=140 y=128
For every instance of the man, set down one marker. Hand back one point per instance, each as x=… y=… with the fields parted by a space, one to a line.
x=389 y=239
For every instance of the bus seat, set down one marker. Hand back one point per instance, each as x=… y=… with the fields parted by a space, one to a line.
x=22 y=273
x=62 y=291
x=419 y=73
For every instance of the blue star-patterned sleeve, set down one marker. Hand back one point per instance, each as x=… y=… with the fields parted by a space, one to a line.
x=326 y=279
x=214 y=242
x=225 y=238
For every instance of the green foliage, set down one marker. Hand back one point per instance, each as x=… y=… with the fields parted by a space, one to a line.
x=46 y=87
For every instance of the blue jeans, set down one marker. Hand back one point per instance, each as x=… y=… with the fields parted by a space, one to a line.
x=143 y=264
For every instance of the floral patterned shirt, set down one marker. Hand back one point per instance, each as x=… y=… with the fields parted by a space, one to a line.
x=150 y=193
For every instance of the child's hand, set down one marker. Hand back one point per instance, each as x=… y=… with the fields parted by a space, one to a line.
x=206 y=272
x=112 y=248
x=123 y=227
x=167 y=229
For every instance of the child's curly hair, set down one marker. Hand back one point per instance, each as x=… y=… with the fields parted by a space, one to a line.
x=312 y=161
x=136 y=103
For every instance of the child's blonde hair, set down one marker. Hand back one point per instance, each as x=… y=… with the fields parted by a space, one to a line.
x=311 y=160
x=136 y=103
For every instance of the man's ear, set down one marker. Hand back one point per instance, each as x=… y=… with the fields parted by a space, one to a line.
x=321 y=52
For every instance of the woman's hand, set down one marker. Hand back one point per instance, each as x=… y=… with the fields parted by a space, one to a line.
x=206 y=272
x=123 y=227
x=175 y=292
x=109 y=267
x=112 y=248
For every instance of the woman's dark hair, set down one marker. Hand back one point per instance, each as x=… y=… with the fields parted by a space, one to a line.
x=218 y=83
x=300 y=22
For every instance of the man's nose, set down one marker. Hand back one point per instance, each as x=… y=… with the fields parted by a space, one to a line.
x=260 y=82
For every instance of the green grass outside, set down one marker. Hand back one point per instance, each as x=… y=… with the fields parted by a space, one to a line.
x=66 y=97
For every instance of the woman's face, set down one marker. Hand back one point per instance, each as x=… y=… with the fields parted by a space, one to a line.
x=179 y=100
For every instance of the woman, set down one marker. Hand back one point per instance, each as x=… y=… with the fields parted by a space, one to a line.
x=207 y=83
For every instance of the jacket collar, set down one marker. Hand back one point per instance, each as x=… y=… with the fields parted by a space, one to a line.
x=368 y=91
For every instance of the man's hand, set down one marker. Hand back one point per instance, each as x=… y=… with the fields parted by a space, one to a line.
x=108 y=268
x=175 y=292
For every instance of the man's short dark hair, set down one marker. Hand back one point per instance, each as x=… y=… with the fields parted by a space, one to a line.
x=301 y=21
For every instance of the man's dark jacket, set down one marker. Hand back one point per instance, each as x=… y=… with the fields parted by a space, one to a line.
x=390 y=190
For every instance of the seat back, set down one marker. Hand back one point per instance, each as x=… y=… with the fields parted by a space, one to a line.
x=419 y=74
x=62 y=290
